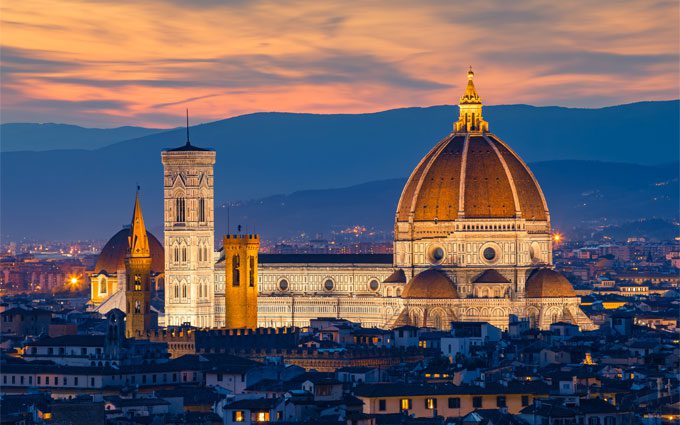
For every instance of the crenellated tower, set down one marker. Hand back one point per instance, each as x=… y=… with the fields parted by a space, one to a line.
x=137 y=277
x=240 y=288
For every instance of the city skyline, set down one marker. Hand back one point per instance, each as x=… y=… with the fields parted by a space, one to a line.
x=107 y=64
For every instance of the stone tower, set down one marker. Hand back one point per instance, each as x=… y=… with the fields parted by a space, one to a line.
x=240 y=287
x=137 y=277
x=189 y=235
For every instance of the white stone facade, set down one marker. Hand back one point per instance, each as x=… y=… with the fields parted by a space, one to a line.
x=189 y=236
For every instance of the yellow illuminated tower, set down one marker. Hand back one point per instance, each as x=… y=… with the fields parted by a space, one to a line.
x=240 y=288
x=137 y=277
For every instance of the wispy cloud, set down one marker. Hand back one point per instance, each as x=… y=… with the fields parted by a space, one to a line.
x=129 y=62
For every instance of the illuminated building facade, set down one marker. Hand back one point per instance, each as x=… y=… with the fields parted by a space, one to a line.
x=472 y=242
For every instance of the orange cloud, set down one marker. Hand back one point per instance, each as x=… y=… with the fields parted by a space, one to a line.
x=108 y=63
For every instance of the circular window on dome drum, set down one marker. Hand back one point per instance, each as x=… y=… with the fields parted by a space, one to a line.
x=436 y=254
x=328 y=285
x=373 y=285
x=489 y=254
x=283 y=285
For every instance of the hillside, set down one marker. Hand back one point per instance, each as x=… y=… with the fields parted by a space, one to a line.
x=88 y=194
x=44 y=137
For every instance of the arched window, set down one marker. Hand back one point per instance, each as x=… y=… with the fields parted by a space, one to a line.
x=102 y=286
x=184 y=254
x=138 y=307
x=251 y=271
x=184 y=290
x=176 y=290
x=176 y=254
x=235 y=270
x=180 y=210
x=201 y=209
x=437 y=321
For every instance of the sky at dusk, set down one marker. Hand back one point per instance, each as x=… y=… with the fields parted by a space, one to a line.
x=107 y=63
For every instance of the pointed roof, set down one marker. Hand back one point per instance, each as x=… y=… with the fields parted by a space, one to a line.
x=470 y=96
x=491 y=276
x=138 y=242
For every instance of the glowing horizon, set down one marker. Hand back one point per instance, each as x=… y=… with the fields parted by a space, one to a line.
x=110 y=63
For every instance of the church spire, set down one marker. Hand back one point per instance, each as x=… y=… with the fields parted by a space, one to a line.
x=138 y=242
x=470 y=118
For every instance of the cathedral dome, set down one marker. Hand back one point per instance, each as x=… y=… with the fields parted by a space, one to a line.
x=431 y=283
x=471 y=176
x=112 y=257
x=547 y=283
x=471 y=173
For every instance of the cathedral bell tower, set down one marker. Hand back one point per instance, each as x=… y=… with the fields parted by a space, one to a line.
x=137 y=277
x=240 y=286
x=189 y=235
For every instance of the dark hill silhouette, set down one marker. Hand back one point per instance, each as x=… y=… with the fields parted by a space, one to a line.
x=44 y=137
x=88 y=194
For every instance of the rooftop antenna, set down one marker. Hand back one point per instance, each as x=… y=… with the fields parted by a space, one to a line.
x=188 y=143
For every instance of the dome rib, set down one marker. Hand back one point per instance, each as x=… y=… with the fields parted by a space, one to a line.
x=528 y=189
x=508 y=174
x=488 y=192
x=407 y=194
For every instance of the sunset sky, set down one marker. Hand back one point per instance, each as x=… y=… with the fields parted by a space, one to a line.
x=107 y=63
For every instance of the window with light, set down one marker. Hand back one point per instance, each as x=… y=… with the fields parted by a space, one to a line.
x=405 y=403
x=238 y=416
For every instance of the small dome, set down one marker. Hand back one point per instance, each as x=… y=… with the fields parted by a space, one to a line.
x=431 y=283
x=112 y=257
x=547 y=283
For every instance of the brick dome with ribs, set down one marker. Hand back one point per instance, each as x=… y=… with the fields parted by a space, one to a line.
x=431 y=283
x=493 y=181
x=547 y=283
x=112 y=257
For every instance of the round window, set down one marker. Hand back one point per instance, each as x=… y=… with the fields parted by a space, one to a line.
x=373 y=285
x=328 y=285
x=283 y=285
x=436 y=254
x=535 y=252
x=489 y=254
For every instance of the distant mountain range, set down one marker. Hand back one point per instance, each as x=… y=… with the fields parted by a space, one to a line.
x=580 y=195
x=88 y=194
x=45 y=137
